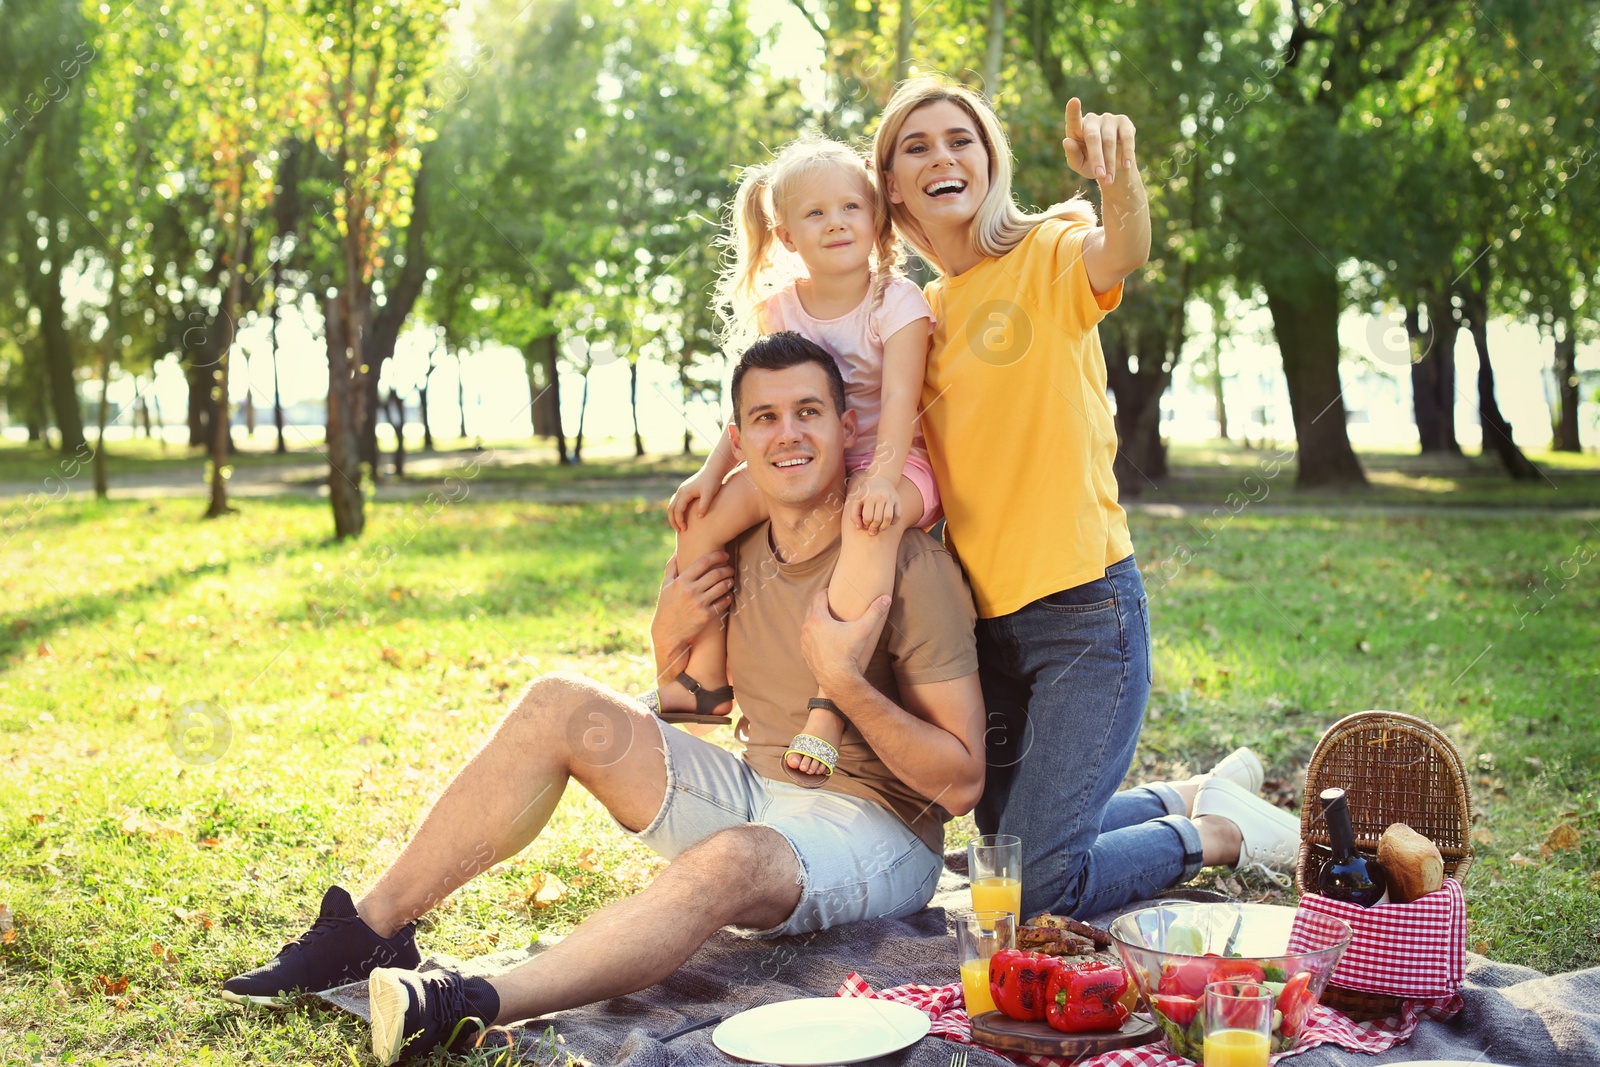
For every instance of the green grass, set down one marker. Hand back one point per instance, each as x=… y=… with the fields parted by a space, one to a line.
x=356 y=678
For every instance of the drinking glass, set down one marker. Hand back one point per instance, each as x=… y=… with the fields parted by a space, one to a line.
x=1238 y=1024
x=979 y=935
x=994 y=864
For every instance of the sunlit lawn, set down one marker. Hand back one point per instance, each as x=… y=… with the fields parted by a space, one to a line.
x=355 y=678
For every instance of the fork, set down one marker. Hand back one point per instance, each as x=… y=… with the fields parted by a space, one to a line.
x=958 y=1058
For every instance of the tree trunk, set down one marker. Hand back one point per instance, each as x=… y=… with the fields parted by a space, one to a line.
x=1496 y=430
x=461 y=391
x=583 y=410
x=902 y=40
x=633 y=402
x=1564 y=427
x=1305 y=319
x=386 y=322
x=1141 y=459
x=277 y=392
x=58 y=362
x=198 y=375
x=544 y=387
x=344 y=455
x=397 y=419
x=1433 y=373
x=994 y=48
x=1222 y=407
x=112 y=327
x=422 y=404
x=221 y=428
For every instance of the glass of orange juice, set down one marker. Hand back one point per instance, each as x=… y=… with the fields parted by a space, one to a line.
x=994 y=863
x=1238 y=1022
x=979 y=935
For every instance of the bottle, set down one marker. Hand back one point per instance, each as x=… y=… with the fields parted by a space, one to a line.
x=1350 y=876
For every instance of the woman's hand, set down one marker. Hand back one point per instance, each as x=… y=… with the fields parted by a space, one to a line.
x=703 y=487
x=1097 y=145
x=874 y=504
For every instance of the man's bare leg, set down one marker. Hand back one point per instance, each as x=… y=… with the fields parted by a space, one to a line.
x=561 y=727
x=746 y=876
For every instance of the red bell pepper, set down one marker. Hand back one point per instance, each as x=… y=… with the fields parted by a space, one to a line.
x=1084 y=997
x=1019 y=982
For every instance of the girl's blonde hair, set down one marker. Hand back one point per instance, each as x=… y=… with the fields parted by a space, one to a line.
x=760 y=265
x=999 y=225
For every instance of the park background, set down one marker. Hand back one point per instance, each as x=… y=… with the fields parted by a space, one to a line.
x=447 y=265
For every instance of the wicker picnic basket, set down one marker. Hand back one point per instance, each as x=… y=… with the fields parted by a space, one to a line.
x=1394 y=768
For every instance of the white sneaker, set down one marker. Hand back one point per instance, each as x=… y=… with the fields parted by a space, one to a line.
x=1243 y=767
x=1271 y=836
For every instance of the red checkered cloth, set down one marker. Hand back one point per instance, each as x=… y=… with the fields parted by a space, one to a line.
x=946 y=1008
x=1415 y=950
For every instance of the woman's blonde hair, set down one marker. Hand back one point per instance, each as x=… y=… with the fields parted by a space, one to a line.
x=999 y=225
x=760 y=266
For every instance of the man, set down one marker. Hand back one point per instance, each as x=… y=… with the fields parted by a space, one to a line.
x=749 y=848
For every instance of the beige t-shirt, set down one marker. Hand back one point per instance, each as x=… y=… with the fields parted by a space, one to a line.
x=927 y=638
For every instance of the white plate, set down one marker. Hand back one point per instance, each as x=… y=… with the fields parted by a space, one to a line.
x=820 y=1030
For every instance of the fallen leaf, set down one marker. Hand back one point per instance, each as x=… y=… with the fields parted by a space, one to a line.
x=209 y=842
x=1563 y=837
x=545 y=889
x=162 y=952
x=36 y=818
x=1483 y=836
x=390 y=655
x=43 y=651
x=111 y=987
x=1519 y=860
x=1481 y=947
x=588 y=860
x=6 y=920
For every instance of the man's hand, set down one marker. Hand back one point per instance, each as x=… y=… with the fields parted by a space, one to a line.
x=689 y=601
x=874 y=504
x=837 y=652
x=1097 y=145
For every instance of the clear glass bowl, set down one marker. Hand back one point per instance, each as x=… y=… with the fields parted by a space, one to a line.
x=1172 y=950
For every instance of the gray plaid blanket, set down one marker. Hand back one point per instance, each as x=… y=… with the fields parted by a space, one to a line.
x=1514 y=1016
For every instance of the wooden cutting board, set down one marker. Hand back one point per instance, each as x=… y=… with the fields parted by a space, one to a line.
x=996 y=1030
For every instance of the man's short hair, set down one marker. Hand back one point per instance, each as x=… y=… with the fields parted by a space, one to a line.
x=780 y=351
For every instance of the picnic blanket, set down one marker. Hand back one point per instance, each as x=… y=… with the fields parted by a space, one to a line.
x=1512 y=1015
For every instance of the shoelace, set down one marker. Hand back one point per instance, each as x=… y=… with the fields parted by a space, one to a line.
x=450 y=1002
x=324 y=925
x=1277 y=878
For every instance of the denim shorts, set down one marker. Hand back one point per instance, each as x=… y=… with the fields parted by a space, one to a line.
x=858 y=860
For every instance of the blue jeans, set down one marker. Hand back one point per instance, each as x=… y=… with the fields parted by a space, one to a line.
x=1065 y=681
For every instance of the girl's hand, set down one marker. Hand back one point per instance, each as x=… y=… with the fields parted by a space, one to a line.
x=1097 y=145
x=701 y=487
x=874 y=504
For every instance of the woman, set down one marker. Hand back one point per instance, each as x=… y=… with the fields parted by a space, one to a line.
x=1019 y=429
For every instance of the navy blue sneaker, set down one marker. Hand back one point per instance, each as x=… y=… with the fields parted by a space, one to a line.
x=337 y=950
x=417 y=1012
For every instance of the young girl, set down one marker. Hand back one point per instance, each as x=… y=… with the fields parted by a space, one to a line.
x=1020 y=431
x=817 y=202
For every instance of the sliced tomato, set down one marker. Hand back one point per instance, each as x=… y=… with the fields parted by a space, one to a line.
x=1237 y=971
x=1180 y=1009
x=1296 y=1003
x=1185 y=979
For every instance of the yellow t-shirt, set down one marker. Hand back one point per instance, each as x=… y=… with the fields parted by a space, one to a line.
x=1018 y=423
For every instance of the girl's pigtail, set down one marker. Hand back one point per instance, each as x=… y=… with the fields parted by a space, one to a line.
x=886 y=246
x=750 y=236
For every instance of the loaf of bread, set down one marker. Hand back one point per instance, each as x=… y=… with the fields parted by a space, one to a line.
x=1411 y=861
